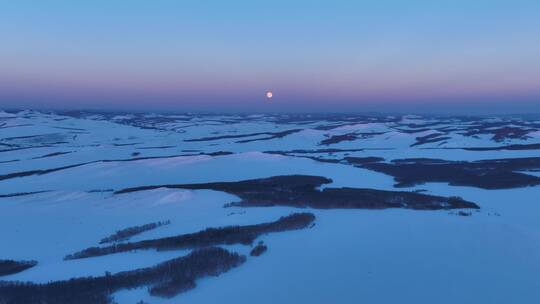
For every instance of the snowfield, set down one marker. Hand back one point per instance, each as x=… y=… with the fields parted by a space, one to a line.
x=61 y=173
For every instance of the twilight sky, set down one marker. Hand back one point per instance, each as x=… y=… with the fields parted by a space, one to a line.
x=364 y=55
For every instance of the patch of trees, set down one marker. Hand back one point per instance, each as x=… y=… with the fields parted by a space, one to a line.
x=271 y=135
x=217 y=153
x=166 y=279
x=430 y=138
x=21 y=194
x=210 y=138
x=324 y=160
x=276 y=183
x=363 y=160
x=124 y=234
x=339 y=138
x=312 y=151
x=295 y=153
x=485 y=174
x=205 y=238
x=52 y=170
x=52 y=155
x=516 y=147
x=301 y=191
x=8 y=267
x=502 y=133
x=331 y=121
x=155 y=147
x=348 y=137
x=258 y=250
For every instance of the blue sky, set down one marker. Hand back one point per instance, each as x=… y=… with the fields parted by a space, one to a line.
x=317 y=55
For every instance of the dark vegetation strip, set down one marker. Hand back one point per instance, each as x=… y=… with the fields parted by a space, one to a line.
x=258 y=250
x=271 y=136
x=47 y=171
x=125 y=234
x=52 y=154
x=499 y=134
x=431 y=138
x=332 y=126
x=68 y=128
x=421 y=125
x=8 y=267
x=25 y=148
x=298 y=154
x=301 y=191
x=339 y=138
x=363 y=160
x=127 y=144
x=208 y=237
x=412 y=131
x=516 y=147
x=166 y=279
x=313 y=151
x=41 y=172
x=485 y=174
x=16 y=126
x=156 y=147
x=348 y=137
x=9 y=161
x=209 y=138
x=29 y=136
x=21 y=194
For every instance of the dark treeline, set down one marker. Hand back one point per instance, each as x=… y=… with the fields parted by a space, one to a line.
x=516 y=147
x=502 y=133
x=349 y=137
x=339 y=138
x=208 y=237
x=53 y=170
x=21 y=194
x=312 y=151
x=301 y=191
x=271 y=135
x=363 y=160
x=125 y=234
x=210 y=138
x=485 y=174
x=52 y=154
x=430 y=138
x=8 y=267
x=258 y=250
x=166 y=279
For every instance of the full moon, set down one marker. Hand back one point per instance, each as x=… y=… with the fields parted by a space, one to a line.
x=269 y=94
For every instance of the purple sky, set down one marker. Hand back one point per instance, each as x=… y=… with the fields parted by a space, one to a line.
x=387 y=55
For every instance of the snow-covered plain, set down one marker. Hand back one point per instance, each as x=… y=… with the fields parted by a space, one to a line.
x=75 y=161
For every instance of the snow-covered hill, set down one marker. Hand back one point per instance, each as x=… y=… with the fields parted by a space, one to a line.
x=63 y=176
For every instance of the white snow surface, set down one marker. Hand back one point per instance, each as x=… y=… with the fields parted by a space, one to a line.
x=350 y=256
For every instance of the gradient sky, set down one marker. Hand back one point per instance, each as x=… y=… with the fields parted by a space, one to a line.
x=459 y=55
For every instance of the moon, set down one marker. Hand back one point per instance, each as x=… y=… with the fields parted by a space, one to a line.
x=269 y=94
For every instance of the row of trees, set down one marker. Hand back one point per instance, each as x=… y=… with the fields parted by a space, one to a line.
x=208 y=237
x=8 y=267
x=124 y=234
x=165 y=280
